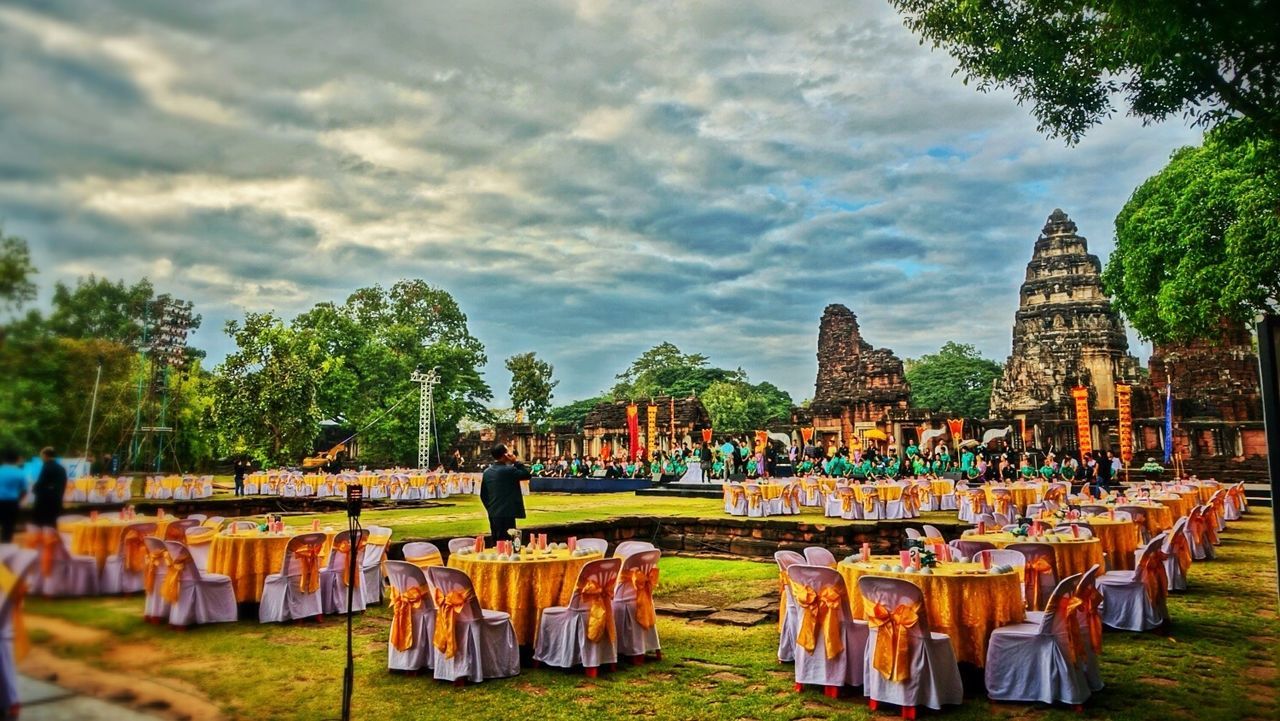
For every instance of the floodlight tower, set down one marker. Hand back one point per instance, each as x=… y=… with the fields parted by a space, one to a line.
x=426 y=413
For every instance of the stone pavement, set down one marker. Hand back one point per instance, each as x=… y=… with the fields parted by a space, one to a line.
x=43 y=701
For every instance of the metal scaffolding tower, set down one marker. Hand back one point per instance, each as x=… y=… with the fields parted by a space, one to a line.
x=426 y=413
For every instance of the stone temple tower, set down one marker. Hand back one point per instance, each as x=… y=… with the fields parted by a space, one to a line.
x=1065 y=333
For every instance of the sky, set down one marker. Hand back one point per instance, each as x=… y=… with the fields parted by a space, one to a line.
x=588 y=179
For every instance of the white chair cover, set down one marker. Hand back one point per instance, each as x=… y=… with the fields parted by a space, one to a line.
x=825 y=592
x=563 y=635
x=69 y=574
x=627 y=548
x=594 y=544
x=819 y=556
x=154 y=608
x=461 y=544
x=282 y=595
x=933 y=678
x=634 y=638
x=202 y=597
x=334 y=577
x=21 y=563
x=1127 y=603
x=116 y=576
x=375 y=552
x=485 y=642
x=931 y=531
x=789 y=612
x=913 y=534
x=1036 y=661
x=404 y=577
x=1038 y=560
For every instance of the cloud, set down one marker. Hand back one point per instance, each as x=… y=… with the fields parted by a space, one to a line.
x=587 y=178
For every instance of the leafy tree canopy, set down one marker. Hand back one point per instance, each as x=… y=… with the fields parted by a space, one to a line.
x=736 y=406
x=574 y=413
x=664 y=370
x=1199 y=241
x=531 y=385
x=16 y=286
x=956 y=380
x=1069 y=60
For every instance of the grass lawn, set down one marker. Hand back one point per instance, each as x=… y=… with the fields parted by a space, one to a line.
x=1219 y=662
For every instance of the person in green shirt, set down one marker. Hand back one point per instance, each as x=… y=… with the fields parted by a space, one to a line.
x=537 y=467
x=1068 y=472
x=912 y=450
x=938 y=466
x=805 y=466
x=751 y=467
x=945 y=457
x=1026 y=471
x=919 y=467
x=1046 y=471
x=966 y=463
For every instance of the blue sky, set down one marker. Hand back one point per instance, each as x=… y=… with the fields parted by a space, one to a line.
x=587 y=178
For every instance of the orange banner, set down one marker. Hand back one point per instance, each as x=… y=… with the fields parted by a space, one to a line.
x=956 y=426
x=762 y=441
x=807 y=434
x=1124 y=410
x=1084 y=438
x=651 y=431
x=706 y=435
x=633 y=431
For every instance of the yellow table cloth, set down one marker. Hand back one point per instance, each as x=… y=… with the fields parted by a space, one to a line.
x=1119 y=540
x=1205 y=491
x=770 y=491
x=1070 y=555
x=248 y=557
x=1024 y=494
x=887 y=491
x=1178 y=505
x=101 y=538
x=523 y=588
x=942 y=487
x=963 y=601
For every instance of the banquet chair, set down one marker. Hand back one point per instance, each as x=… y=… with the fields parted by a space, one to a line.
x=1002 y=503
x=1217 y=507
x=913 y=534
x=197 y=517
x=627 y=548
x=199 y=541
x=294 y=593
x=1041 y=661
x=1002 y=519
x=788 y=611
x=18 y=564
x=413 y=618
x=931 y=531
x=1039 y=577
x=756 y=505
x=375 y=553
x=1055 y=496
x=251 y=484
x=421 y=554
x=1138 y=515
x=1082 y=529
x=154 y=608
x=122 y=572
x=735 y=499
x=195 y=598
x=461 y=544
x=1233 y=502
x=1093 y=509
x=214 y=522
x=177 y=530
x=871 y=507
x=820 y=660
x=594 y=544
x=469 y=643
x=969 y=548
x=1003 y=557
x=777 y=506
x=843 y=504
x=66 y=521
x=1177 y=551
x=947 y=500
x=931 y=678
x=811 y=493
x=60 y=572
x=575 y=635
x=1136 y=600
x=819 y=556
x=791 y=498
x=335 y=577
x=633 y=614
x=970 y=503
x=243 y=526
x=1199 y=536
x=1090 y=615
x=989 y=519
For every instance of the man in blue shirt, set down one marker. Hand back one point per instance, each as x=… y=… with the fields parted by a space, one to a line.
x=13 y=486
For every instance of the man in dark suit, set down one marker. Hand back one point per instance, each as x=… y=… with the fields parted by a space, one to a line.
x=500 y=492
x=49 y=490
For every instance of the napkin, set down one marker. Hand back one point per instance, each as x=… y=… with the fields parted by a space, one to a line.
x=479 y=544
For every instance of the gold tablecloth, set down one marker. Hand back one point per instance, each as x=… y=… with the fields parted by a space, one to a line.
x=1070 y=555
x=1178 y=505
x=887 y=491
x=523 y=588
x=771 y=491
x=1024 y=494
x=1119 y=540
x=1206 y=491
x=101 y=538
x=944 y=487
x=963 y=601
x=250 y=556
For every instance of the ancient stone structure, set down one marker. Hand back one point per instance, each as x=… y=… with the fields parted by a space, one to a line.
x=1065 y=334
x=1217 y=399
x=607 y=424
x=858 y=386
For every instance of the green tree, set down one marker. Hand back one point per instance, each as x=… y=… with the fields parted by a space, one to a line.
x=265 y=392
x=1069 y=60
x=573 y=414
x=531 y=385
x=381 y=336
x=1199 y=241
x=956 y=380
x=737 y=406
x=664 y=370
x=16 y=286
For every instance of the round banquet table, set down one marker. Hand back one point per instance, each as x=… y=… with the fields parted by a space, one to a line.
x=770 y=491
x=963 y=601
x=523 y=588
x=249 y=557
x=1119 y=539
x=1070 y=555
x=887 y=491
x=1177 y=504
x=942 y=487
x=1024 y=494
x=101 y=538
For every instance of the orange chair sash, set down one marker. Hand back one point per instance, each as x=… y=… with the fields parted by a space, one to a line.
x=1031 y=577
x=46 y=544
x=869 y=500
x=892 y=653
x=599 y=600
x=1181 y=551
x=448 y=606
x=846 y=502
x=353 y=560
x=154 y=560
x=1068 y=608
x=821 y=608
x=1002 y=504
x=645 y=583
x=1091 y=599
x=403 y=606
x=1154 y=576
x=975 y=501
x=172 y=587
x=309 y=558
x=135 y=552
x=13 y=587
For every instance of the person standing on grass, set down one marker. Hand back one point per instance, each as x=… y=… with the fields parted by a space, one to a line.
x=13 y=486
x=50 y=487
x=241 y=468
x=500 y=492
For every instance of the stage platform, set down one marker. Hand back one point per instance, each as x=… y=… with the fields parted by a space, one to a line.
x=685 y=490
x=588 y=485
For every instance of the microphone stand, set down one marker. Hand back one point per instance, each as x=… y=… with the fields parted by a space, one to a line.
x=355 y=495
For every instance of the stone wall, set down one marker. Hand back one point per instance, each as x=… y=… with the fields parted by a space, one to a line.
x=855 y=379
x=1211 y=378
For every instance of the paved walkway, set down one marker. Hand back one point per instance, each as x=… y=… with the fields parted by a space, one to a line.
x=42 y=701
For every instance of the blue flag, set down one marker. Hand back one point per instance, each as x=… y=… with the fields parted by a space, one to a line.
x=1168 y=423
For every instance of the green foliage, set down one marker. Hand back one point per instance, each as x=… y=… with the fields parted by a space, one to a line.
x=1199 y=241
x=738 y=406
x=956 y=380
x=574 y=413
x=664 y=370
x=531 y=385
x=373 y=342
x=16 y=286
x=1208 y=61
